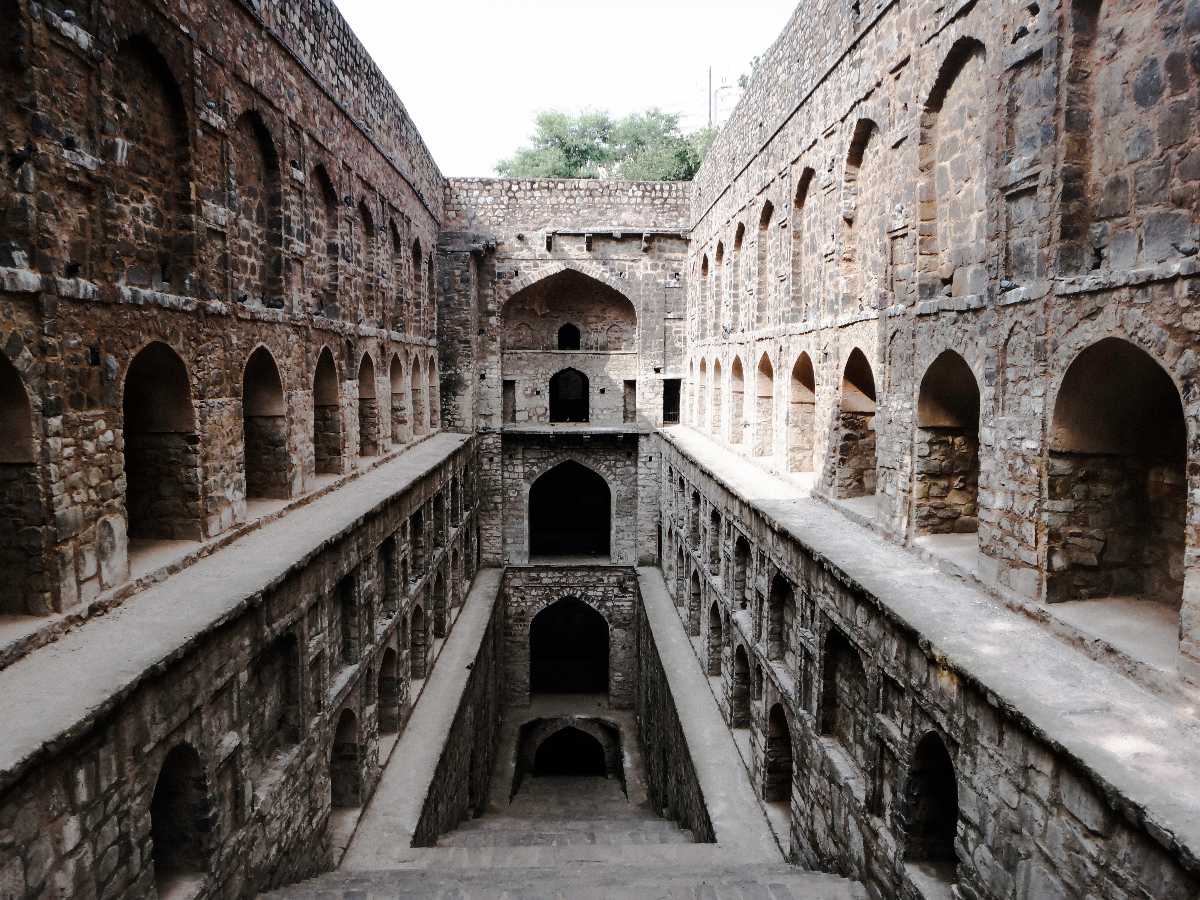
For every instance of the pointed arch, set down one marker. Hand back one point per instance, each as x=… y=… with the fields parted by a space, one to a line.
x=323 y=240
x=807 y=252
x=739 y=689
x=266 y=454
x=737 y=401
x=777 y=758
x=418 y=288
x=420 y=413
x=765 y=266
x=162 y=448
x=715 y=311
x=569 y=394
x=715 y=640
x=399 y=318
x=368 y=268
x=702 y=397
x=399 y=404
x=345 y=762
x=929 y=812
x=570 y=512
x=1118 y=432
x=418 y=642
x=257 y=241
x=151 y=185
x=781 y=616
x=717 y=392
x=863 y=216
x=856 y=462
x=181 y=821
x=328 y=442
x=802 y=420
x=568 y=649
x=946 y=464
x=764 y=409
x=368 y=408
x=435 y=405
x=388 y=692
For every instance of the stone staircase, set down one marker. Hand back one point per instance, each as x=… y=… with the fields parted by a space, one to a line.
x=567 y=811
x=571 y=837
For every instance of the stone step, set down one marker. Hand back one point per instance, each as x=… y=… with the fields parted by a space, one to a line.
x=566 y=837
x=581 y=882
x=508 y=822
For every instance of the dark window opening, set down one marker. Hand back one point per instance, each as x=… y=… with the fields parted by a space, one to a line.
x=569 y=399
x=510 y=400
x=568 y=337
x=345 y=775
x=777 y=785
x=570 y=752
x=630 y=405
x=568 y=650
x=180 y=820
x=931 y=804
x=569 y=513
x=670 y=401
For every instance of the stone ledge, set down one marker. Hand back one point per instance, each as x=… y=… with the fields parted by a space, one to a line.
x=1020 y=668
x=155 y=629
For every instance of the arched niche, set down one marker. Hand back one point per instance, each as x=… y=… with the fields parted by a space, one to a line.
x=715 y=642
x=328 y=442
x=737 y=401
x=345 y=763
x=324 y=241
x=420 y=411
x=256 y=245
x=399 y=405
x=568 y=649
x=855 y=445
x=181 y=823
x=267 y=456
x=717 y=393
x=764 y=437
x=368 y=408
x=568 y=335
x=777 y=759
x=739 y=689
x=162 y=448
x=802 y=422
x=151 y=185
x=567 y=297
x=418 y=642
x=1117 y=478
x=929 y=810
x=570 y=513
x=946 y=462
x=22 y=509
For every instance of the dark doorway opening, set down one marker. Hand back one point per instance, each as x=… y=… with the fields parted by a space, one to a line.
x=569 y=396
x=670 y=401
x=568 y=650
x=568 y=337
x=570 y=752
x=930 y=810
x=569 y=513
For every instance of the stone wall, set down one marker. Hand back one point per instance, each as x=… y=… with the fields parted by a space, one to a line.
x=860 y=693
x=615 y=239
x=256 y=699
x=906 y=180
x=611 y=591
x=670 y=775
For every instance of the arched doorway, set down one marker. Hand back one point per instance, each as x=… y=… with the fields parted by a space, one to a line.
x=570 y=752
x=781 y=612
x=930 y=810
x=570 y=513
x=439 y=605
x=327 y=416
x=946 y=462
x=389 y=692
x=345 y=763
x=162 y=448
x=568 y=649
x=180 y=821
x=1118 y=447
x=855 y=443
x=777 y=761
x=569 y=400
x=264 y=428
x=368 y=409
x=737 y=401
x=801 y=426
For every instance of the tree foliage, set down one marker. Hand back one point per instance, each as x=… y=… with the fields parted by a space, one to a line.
x=646 y=146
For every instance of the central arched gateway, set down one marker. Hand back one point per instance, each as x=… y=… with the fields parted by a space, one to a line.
x=568 y=649
x=570 y=513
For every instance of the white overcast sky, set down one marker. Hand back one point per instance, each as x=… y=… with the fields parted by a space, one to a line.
x=473 y=73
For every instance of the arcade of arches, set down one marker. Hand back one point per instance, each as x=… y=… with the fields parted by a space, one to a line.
x=832 y=516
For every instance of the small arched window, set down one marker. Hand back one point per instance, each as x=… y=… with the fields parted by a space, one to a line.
x=568 y=337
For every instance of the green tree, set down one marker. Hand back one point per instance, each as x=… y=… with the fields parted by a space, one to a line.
x=647 y=146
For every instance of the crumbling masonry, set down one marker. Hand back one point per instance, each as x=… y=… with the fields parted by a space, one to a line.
x=893 y=408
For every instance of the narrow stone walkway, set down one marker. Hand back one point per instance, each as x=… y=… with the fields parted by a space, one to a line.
x=385 y=829
x=94 y=667
x=1135 y=742
x=738 y=820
